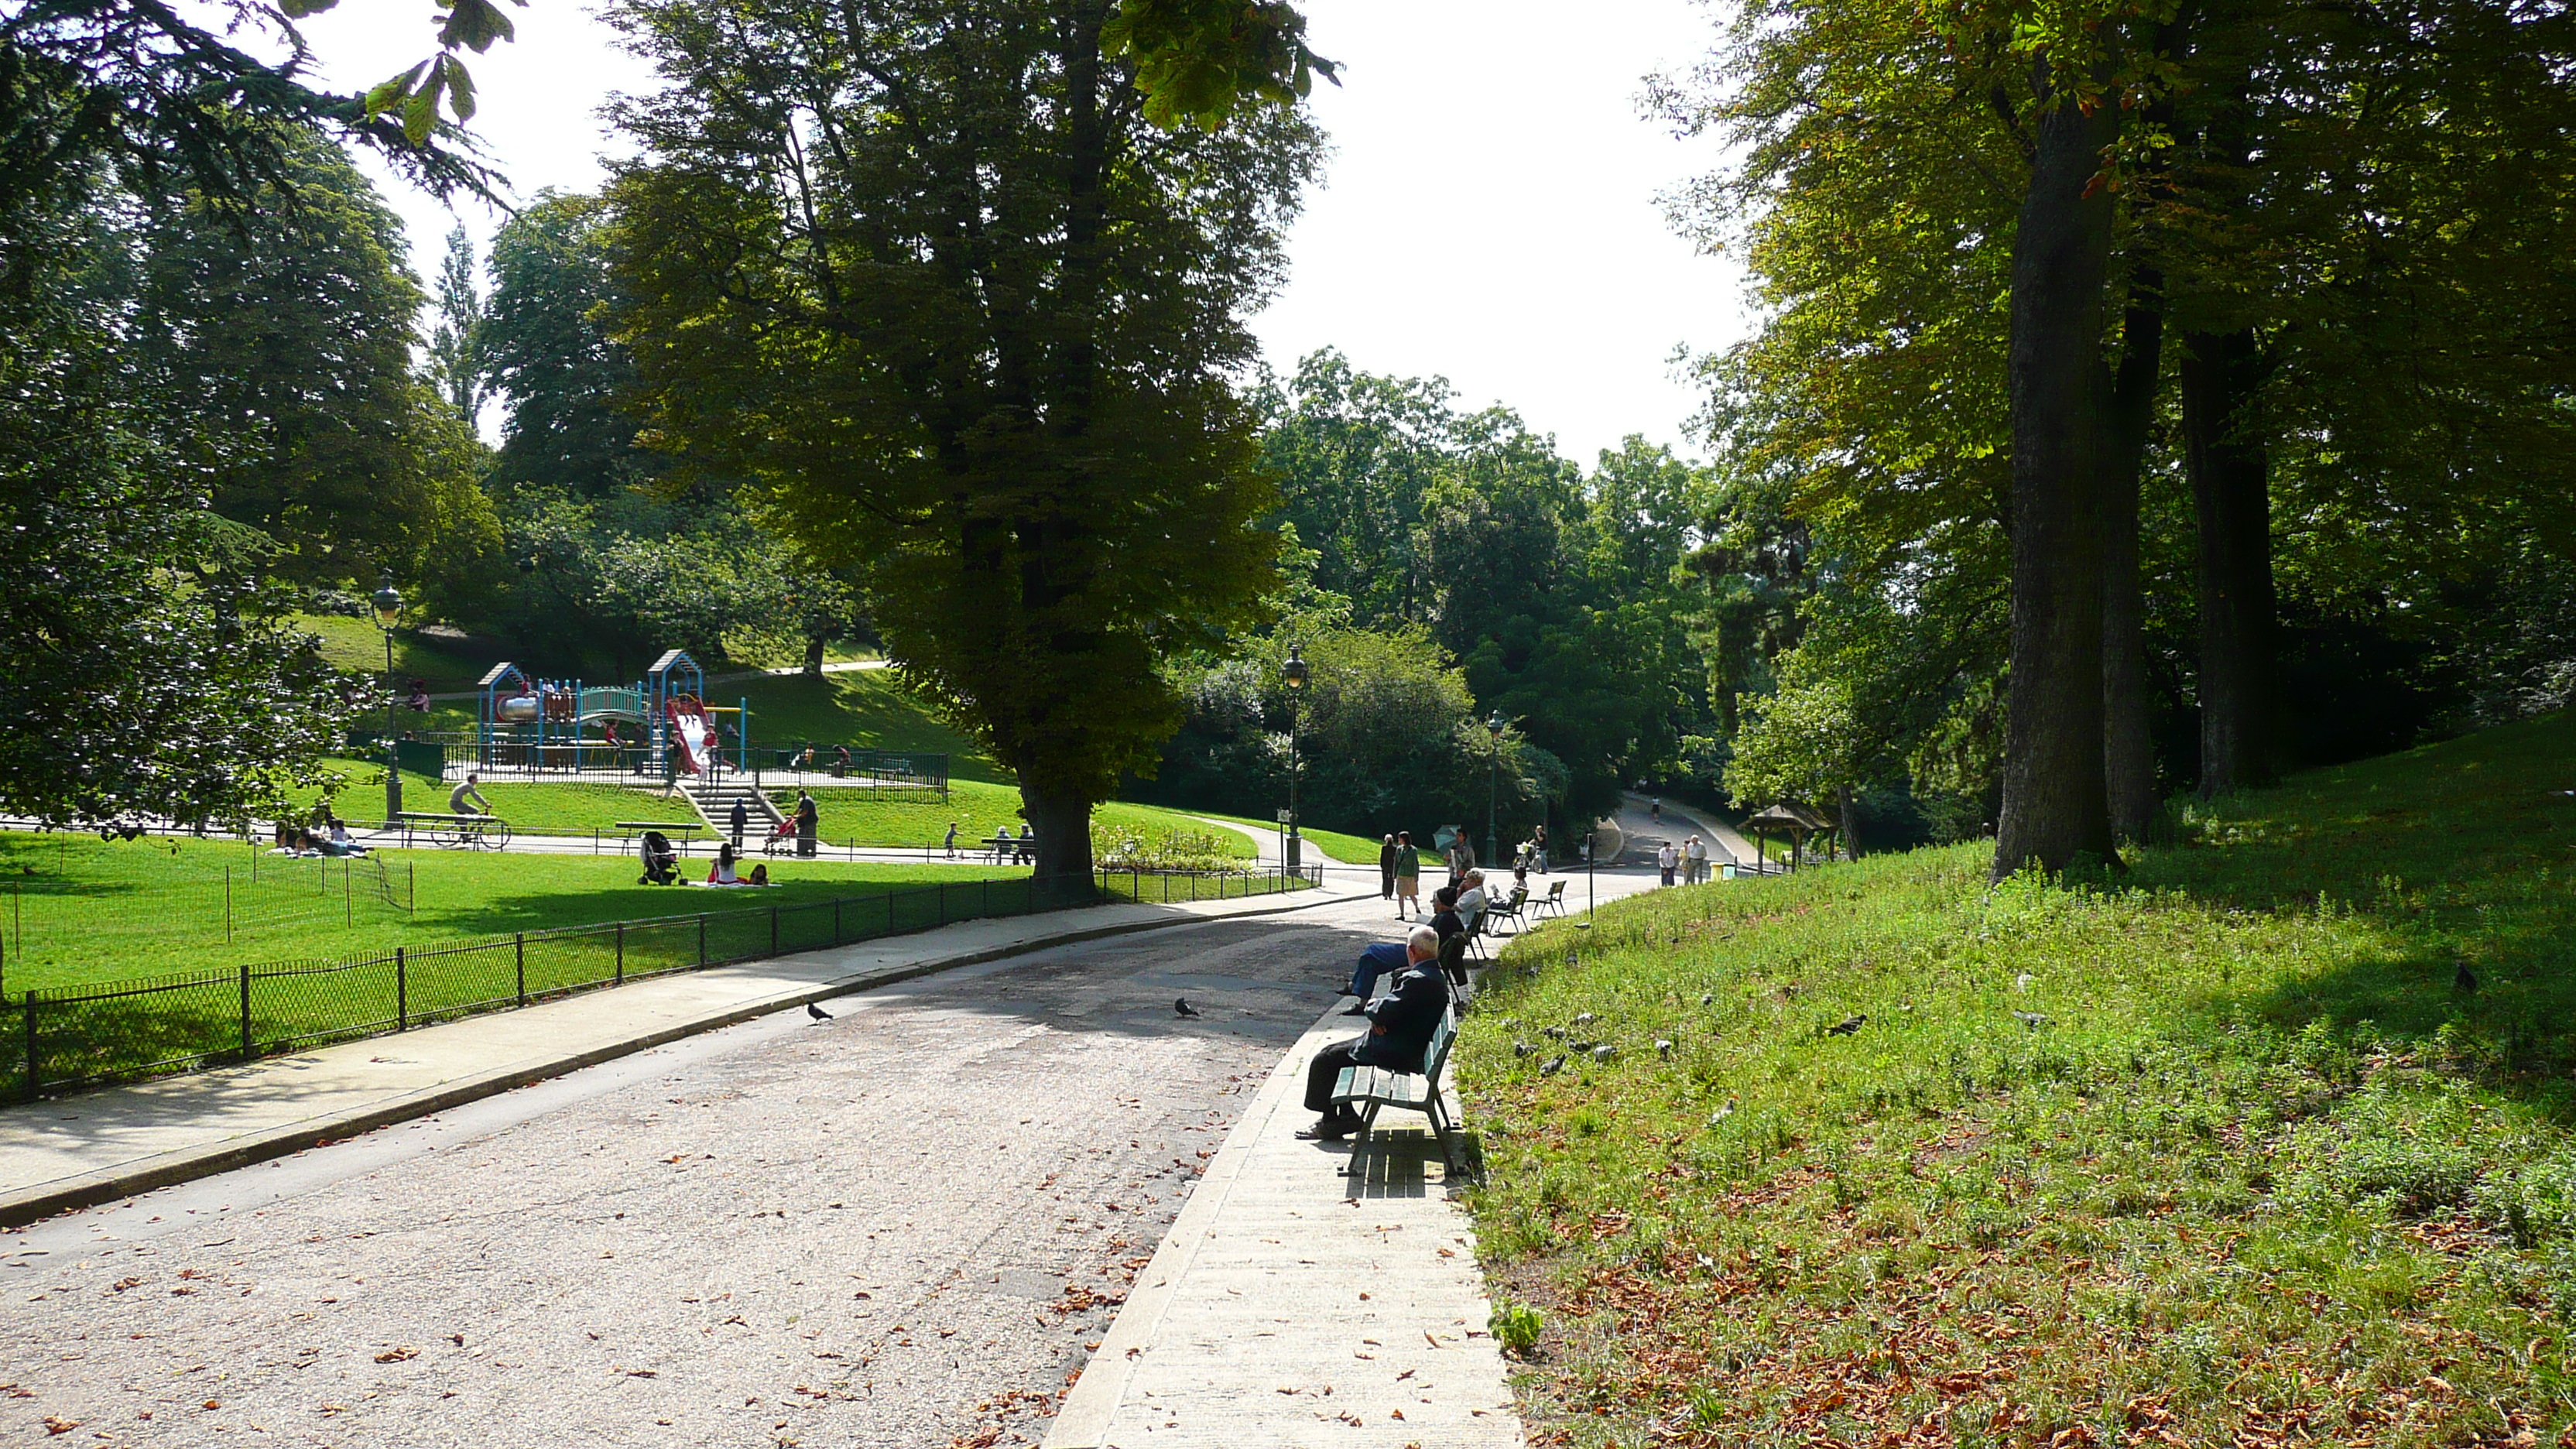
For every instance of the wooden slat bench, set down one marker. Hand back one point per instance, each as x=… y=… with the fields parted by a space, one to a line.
x=1376 y=1087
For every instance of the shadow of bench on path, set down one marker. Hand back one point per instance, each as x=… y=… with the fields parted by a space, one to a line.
x=1398 y=1162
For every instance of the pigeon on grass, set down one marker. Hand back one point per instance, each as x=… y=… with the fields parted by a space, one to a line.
x=1181 y=1007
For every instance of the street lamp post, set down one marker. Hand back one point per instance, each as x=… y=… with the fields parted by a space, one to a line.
x=389 y=604
x=1293 y=674
x=1494 y=792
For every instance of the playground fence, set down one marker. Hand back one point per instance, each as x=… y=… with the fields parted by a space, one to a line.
x=900 y=774
x=81 y=1036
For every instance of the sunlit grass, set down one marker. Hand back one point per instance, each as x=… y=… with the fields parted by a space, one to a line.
x=2216 y=1150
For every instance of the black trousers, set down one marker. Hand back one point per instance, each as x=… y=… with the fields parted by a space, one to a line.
x=1386 y=882
x=1327 y=1065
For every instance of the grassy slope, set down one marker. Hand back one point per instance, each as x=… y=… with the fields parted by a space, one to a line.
x=2262 y=1172
x=81 y=910
x=978 y=810
x=861 y=707
x=358 y=645
x=1348 y=849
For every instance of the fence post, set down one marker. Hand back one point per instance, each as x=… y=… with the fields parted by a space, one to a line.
x=402 y=992
x=245 y=1011
x=702 y=938
x=621 y=953
x=521 y=943
x=27 y=1006
x=228 y=897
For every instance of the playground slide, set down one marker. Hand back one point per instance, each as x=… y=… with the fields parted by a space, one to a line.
x=694 y=733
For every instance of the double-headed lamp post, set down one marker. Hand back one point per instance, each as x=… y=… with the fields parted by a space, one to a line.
x=1494 y=795
x=1293 y=674
x=389 y=605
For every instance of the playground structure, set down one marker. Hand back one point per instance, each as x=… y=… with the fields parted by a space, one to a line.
x=658 y=728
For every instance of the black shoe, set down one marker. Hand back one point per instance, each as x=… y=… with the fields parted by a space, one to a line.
x=1346 y=991
x=1327 y=1129
x=1357 y=1008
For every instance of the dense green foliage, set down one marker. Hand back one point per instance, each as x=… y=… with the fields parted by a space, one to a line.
x=967 y=321
x=2333 y=369
x=2220 y=1151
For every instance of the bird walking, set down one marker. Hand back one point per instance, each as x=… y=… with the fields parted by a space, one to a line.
x=1181 y=1007
x=1847 y=1026
x=816 y=1012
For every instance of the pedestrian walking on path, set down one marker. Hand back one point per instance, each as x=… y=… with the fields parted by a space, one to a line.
x=1696 y=853
x=1386 y=870
x=1667 y=860
x=950 y=844
x=1408 y=876
x=1538 y=847
x=809 y=822
x=738 y=820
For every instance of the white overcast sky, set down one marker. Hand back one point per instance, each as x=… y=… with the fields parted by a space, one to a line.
x=1489 y=214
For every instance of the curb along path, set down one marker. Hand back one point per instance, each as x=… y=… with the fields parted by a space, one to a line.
x=1289 y=1305
x=96 y=1146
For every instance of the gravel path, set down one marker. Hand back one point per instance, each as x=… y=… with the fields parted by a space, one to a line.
x=902 y=1227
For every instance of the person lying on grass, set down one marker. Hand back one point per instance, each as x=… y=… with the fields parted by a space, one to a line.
x=1400 y=1026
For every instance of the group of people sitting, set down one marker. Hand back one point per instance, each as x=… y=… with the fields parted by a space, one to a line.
x=325 y=837
x=662 y=864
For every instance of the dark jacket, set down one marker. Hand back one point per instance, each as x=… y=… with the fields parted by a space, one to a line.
x=1386 y=860
x=1448 y=924
x=1408 y=1013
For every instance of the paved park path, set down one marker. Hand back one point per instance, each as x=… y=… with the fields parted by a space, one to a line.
x=912 y=1225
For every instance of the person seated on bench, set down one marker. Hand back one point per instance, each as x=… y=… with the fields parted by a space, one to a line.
x=1384 y=959
x=1471 y=900
x=1400 y=1026
x=456 y=797
x=1444 y=913
x=722 y=872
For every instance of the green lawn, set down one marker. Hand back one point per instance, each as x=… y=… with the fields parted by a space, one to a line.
x=2216 y=1152
x=80 y=910
x=1348 y=849
x=860 y=707
x=978 y=809
x=358 y=646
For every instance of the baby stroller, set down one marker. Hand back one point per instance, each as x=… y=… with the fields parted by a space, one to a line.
x=661 y=862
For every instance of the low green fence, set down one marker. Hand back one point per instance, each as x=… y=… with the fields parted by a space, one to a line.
x=80 y=1036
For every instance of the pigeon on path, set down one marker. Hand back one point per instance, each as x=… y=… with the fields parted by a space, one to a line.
x=1181 y=1007
x=816 y=1012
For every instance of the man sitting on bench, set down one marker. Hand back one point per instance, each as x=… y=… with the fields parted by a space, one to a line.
x=1400 y=1026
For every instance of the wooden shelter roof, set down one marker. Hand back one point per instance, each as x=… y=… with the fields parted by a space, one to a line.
x=1786 y=815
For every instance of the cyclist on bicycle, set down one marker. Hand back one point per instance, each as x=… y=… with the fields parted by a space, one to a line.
x=456 y=797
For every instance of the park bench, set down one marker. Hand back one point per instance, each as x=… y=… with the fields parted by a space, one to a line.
x=683 y=830
x=470 y=832
x=1377 y=1087
x=1508 y=910
x=1551 y=904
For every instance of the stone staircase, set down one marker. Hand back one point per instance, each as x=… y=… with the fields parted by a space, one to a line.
x=713 y=800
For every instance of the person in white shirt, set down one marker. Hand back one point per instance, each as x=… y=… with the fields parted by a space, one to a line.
x=1666 y=860
x=1471 y=901
x=1697 y=853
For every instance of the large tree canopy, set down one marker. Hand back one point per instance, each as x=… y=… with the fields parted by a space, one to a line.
x=926 y=272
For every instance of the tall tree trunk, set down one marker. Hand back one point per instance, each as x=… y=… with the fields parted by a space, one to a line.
x=2231 y=488
x=2055 y=807
x=1060 y=820
x=2128 y=752
x=814 y=655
